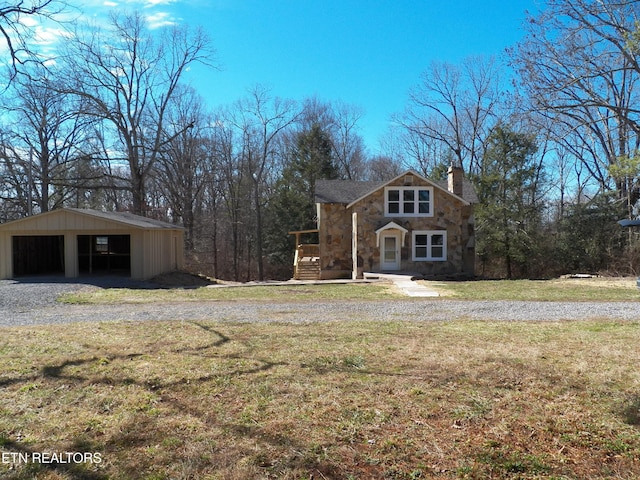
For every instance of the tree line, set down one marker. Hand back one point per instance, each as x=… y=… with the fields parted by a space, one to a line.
x=552 y=152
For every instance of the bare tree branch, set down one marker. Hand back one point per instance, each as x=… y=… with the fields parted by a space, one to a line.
x=18 y=34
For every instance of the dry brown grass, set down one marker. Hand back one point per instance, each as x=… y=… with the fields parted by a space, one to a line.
x=397 y=400
x=593 y=289
x=560 y=289
x=254 y=293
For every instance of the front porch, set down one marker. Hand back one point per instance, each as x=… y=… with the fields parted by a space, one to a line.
x=311 y=262
x=306 y=261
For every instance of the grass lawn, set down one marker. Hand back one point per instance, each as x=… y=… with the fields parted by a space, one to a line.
x=596 y=289
x=293 y=293
x=336 y=400
x=562 y=289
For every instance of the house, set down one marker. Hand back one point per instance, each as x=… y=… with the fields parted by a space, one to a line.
x=74 y=242
x=409 y=224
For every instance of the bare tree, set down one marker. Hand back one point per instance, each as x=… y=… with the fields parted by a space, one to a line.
x=456 y=106
x=578 y=65
x=212 y=198
x=347 y=143
x=18 y=34
x=181 y=168
x=46 y=133
x=129 y=78
x=262 y=119
x=339 y=121
x=427 y=154
x=228 y=173
x=15 y=182
x=382 y=168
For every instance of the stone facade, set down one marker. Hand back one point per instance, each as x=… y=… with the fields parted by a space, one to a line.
x=450 y=214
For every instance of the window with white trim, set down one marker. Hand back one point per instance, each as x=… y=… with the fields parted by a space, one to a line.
x=429 y=245
x=408 y=201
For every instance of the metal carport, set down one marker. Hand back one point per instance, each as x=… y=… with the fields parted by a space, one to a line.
x=73 y=241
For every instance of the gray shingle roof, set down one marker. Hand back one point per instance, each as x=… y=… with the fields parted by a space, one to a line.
x=468 y=191
x=347 y=191
x=343 y=191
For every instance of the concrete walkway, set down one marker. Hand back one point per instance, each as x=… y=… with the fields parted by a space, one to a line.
x=402 y=281
x=405 y=283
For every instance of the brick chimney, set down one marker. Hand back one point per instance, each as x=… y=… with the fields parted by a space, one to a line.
x=454 y=183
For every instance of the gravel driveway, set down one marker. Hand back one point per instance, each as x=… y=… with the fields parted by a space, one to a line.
x=33 y=303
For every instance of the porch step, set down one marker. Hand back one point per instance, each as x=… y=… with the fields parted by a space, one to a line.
x=308 y=269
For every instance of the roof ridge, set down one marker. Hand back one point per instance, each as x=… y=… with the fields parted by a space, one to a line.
x=349 y=191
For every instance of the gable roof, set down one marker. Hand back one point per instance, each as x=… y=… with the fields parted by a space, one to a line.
x=468 y=190
x=127 y=218
x=343 y=191
x=349 y=191
x=123 y=218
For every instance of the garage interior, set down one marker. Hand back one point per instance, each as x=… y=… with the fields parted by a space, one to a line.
x=97 y=255
x=38 y=255
x=104 y=254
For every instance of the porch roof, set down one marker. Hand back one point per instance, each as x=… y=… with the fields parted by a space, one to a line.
x=391 y=226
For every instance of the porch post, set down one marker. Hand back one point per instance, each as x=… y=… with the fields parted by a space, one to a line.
x=354 y=245
x=71 y=268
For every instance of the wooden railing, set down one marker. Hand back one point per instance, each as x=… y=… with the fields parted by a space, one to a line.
x=311 y=254
x=309 y=251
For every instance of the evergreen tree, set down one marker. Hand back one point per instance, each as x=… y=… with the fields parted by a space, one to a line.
x=588 y=237
x=508 y=217
x=292 y=205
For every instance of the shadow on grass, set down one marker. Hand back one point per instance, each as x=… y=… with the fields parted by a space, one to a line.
x=222 y=339
x=631 y=411
x=144 y=429
x=183 y=281
x=56 y=370
x=190 y=422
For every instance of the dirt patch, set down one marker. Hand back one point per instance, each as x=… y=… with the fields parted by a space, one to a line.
x=601 y=281
x=183 y=279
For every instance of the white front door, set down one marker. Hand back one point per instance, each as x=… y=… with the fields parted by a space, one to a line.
x=390 y=251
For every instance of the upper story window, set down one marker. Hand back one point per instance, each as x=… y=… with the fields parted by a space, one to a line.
x=408 y=201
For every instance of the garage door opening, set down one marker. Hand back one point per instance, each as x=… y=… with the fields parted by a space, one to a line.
x=104 y=254
x=38 y=255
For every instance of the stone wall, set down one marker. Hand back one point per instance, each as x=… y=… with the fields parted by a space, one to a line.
x=450 y=214
x=335 y=241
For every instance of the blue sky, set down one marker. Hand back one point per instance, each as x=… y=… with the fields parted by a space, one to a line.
x=363 y=52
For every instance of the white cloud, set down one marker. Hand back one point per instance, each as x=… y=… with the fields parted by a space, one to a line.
x=44 y=34
x=154 y=3
x=49 y=35
x=29 y=21
x=155 y=18
x=160 y=19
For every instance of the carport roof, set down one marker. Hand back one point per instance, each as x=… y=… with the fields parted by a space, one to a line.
x=128 y=218
x=125 y=218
